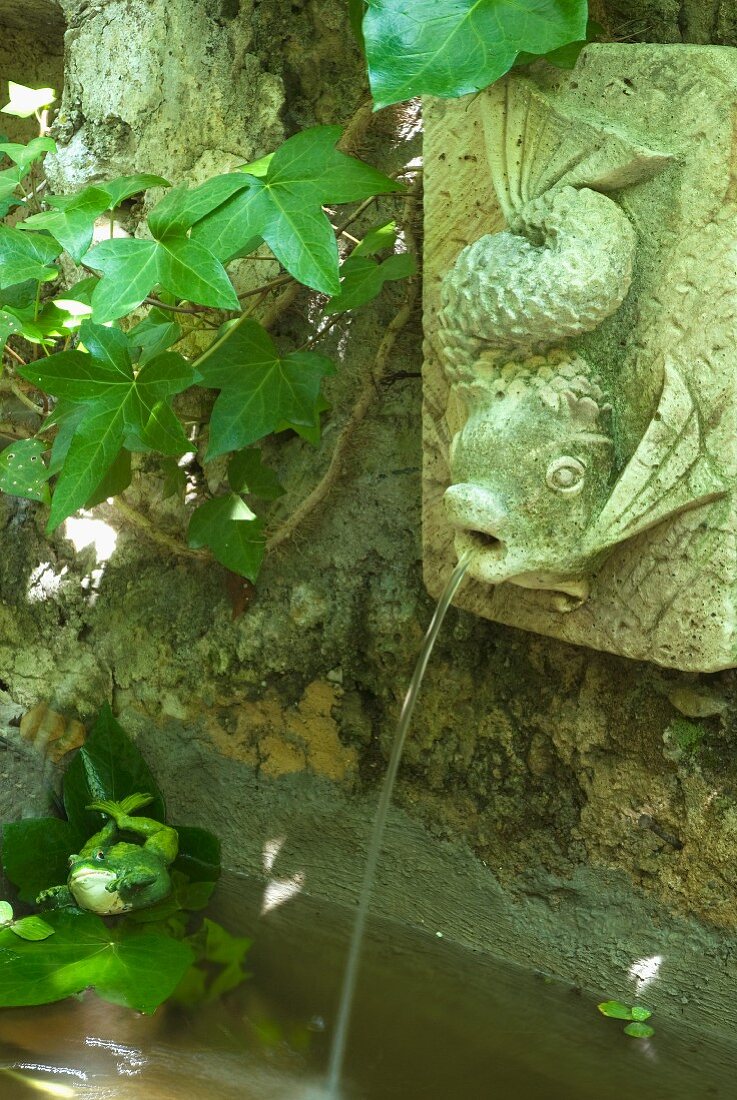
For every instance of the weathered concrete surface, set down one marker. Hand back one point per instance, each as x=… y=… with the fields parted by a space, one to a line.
x=551 y=764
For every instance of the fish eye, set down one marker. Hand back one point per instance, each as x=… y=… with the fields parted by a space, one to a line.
x=565 y=475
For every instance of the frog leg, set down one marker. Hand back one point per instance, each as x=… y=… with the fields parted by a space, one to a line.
x=56 y=897
x=130 y=882
x=107 y=833
x=158 y=837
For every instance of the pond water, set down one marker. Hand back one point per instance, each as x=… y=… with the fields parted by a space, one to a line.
x=432 y=1022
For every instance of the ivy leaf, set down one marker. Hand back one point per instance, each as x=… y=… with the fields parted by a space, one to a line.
x=120 y=408
x=35 y=853
x=284 y=207
x=356 y=12
x=363 y=279
x=183 y=206
x=115 y=481
x=107 y=767
x=31 y=928
x=247 y=474
x=131 y=271
x=124 y=187
x=26 y=155
x=9 y=325
x=232 y=532
x=175 y=479
x=453 y=47
x=258 y=388
x=26 y=256
x=133 y=267
x=381 y=237
x=124 y=966
x=154 y=334
x=199 y=854
x=310 y=432
x=22 y=470
x=73 y=226
x=9 y=180
x=24 y=102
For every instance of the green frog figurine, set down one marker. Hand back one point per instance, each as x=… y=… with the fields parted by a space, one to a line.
x=110 y=876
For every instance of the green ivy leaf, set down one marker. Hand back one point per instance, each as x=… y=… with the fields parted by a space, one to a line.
x=35 y=853
x=32 y=928
x=26 y=256
x=378 y=239
x=284 y=207
x=22 y=470
x=175 y=479
x=26 y=155
x=247 y=474
x=115 y=481
x=453 y=47
x=108 y=766
x=363 y=279
x=183 y=206
x=133 y=267
x=124 y=187
x=138 y=969
x=154 y=334
x=9 y=325
x=24 y=102
x=259 y=389
x=73 y=226
x=232 y=532
x=120 y=408
x=9 y=180
x=199 y=854
x=356 y=12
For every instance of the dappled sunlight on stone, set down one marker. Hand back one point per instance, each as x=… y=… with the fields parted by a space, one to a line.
x=82 y=530
x=44 y=582
x=645 y=971
x=278 y=890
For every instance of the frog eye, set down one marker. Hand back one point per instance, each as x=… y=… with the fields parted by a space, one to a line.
x=99 y=854
x=566 y=475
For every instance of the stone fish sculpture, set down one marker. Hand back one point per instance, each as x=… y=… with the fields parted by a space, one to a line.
x=538 y=490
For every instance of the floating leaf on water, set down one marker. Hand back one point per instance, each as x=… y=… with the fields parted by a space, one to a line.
x=6 y=912
x=616 y=1010
x=639 y=1031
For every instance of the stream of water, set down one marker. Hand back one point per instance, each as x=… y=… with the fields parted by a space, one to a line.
x=348 y=990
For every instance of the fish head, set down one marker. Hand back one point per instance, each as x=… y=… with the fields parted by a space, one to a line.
x=531 y=469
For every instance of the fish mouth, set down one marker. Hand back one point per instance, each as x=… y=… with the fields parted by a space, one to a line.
x=493 y=562
x=487 y=553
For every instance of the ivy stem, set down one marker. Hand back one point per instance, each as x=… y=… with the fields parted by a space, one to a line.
x=14 y=355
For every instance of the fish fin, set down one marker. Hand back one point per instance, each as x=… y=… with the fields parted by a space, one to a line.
x=670 y=471
x=537 y=147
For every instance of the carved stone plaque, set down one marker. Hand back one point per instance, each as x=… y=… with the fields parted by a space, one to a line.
x=580 y=380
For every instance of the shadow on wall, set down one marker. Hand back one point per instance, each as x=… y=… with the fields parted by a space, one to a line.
x=31 y=53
